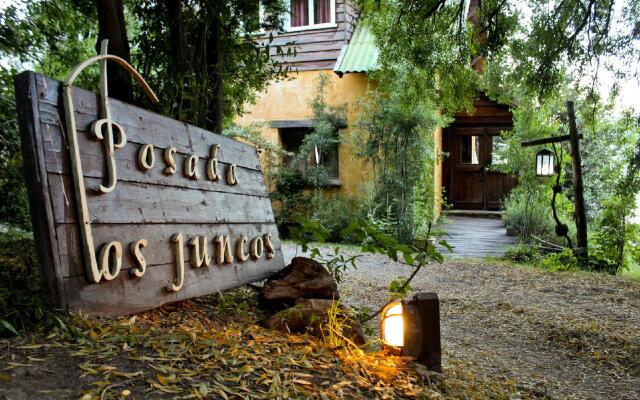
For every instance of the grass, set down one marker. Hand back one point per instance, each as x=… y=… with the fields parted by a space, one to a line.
x=633 y=272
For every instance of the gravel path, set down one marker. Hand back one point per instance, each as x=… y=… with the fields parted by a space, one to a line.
x=564 y=335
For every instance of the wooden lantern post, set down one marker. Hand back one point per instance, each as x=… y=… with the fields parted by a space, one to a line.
x=576 y=162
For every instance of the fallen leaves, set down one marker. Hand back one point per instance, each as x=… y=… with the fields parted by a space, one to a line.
x=183 y=351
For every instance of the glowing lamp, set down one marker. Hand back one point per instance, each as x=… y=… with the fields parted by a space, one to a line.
x=412 y=328
x=545 y=163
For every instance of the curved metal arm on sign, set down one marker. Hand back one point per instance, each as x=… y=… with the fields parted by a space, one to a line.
x=80 y=67
x=94 y=272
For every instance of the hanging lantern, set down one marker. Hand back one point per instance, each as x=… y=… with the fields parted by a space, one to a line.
x=545 y=163
x=412 y=328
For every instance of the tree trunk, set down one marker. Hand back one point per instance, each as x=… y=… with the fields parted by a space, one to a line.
x=176 y=36
x=477 y=63
x=215 y=60
x=581 y=217
x=111 y=26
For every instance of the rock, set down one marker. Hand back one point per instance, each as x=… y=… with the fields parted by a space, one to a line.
x=309 y=315
x=304 y=278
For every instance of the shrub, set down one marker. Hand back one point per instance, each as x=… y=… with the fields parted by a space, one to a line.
x=21 y=304
x=562 y=261
x=529 y=211
x=522 y=253
x=335 y=213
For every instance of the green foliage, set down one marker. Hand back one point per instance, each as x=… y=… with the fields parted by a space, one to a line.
x=561 y=261
x=310 y=231
x=54 y=37
x=188 y=51
x=327 y=121
x=528 y=209
x=432 y=44
x=371 y=239
x=292 y=197
x=398 y=289
x=573 y=35
x=13 y=207
x=21 y=306
x=523 y=253
x=395 y=132
x=336 y=212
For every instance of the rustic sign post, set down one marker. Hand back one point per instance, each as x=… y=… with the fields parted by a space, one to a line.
x=132 y=209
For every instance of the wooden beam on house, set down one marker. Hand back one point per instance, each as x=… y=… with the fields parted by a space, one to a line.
x=554 y=139
x=298 y=123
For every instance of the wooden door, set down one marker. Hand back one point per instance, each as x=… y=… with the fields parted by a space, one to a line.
x=472 y=184
x=496 y=185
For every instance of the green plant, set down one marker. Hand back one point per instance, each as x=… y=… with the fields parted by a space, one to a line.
x=561 y=261
x=309 y=231
x=335 y=212
x=523 y=253
x=21 y=304
x=395 y=133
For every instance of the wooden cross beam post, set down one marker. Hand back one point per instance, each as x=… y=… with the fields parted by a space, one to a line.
x=576 y=162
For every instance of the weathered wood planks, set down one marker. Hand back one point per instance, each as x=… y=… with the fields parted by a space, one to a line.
x=200 y=201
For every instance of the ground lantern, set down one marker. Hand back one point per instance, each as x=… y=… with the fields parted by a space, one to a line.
x=412 y=328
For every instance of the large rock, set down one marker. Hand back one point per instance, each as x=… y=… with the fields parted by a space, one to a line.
x=304 y=278
x=311 y=316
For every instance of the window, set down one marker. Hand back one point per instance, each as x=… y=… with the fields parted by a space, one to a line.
x=291 y=139
x=311 y=14
x=470 y=149
x=499 y=151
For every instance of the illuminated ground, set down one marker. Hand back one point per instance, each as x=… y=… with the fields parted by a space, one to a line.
x=565 y=335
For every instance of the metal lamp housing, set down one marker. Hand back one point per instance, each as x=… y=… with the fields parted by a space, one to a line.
x=545 y=163
x=420 y=326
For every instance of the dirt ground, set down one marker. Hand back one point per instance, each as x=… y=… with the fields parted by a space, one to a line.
x=508 y=332
x=561 y=335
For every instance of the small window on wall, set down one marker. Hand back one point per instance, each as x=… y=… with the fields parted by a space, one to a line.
x=311 y=14
x=470 y=149
x=292 y=138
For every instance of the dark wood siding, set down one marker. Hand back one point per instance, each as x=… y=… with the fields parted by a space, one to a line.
x=315 y=48
x=473 y=186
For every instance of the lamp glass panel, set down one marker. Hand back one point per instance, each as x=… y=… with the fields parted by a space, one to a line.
x=548 y=164
x=544 y=164
x=393 y=326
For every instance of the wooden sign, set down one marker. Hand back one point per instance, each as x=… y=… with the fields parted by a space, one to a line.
x=132 y=209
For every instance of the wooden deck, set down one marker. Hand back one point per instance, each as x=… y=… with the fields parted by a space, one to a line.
x=480 y=236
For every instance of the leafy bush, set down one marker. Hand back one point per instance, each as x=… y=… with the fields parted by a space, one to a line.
x=395 y=132
x=335 y=213
x=522 y=253
x=21 y=304
x=561 y=261
x=529 y=211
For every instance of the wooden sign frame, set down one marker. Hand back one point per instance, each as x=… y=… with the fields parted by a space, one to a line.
x=187 y=214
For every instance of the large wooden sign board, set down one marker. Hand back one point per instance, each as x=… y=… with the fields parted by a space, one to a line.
x=177 y=212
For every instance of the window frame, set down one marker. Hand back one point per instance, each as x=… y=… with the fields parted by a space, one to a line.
x=311 y=8
x=334 y=176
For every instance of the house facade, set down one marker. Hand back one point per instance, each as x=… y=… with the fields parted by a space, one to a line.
x=325 y=38
x=317 y=32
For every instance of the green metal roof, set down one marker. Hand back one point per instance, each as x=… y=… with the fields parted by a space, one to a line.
x=360 y=55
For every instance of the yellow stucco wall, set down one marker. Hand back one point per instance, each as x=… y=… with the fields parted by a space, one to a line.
x=290 y=100
x=437 y=173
